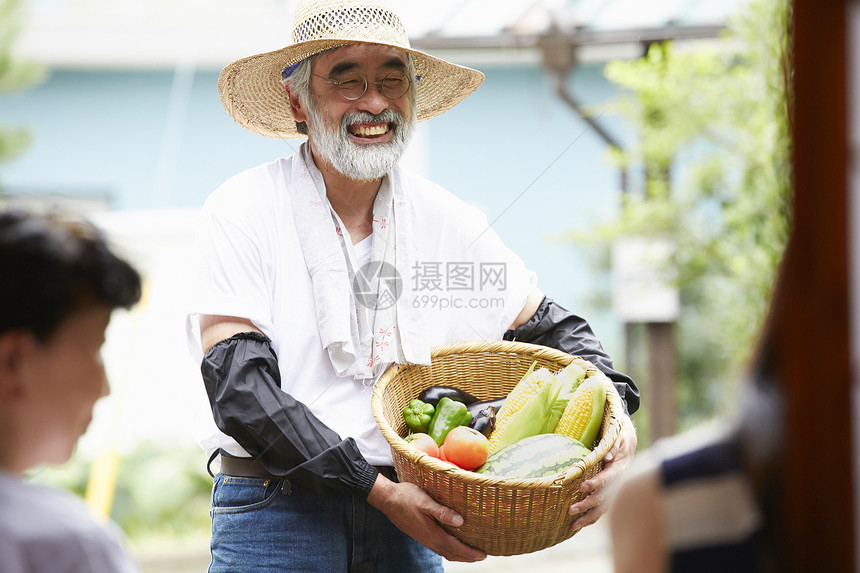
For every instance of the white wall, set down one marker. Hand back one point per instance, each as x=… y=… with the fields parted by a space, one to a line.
x=156 y=388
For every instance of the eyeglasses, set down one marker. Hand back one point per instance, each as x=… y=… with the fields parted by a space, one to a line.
x=354 y=85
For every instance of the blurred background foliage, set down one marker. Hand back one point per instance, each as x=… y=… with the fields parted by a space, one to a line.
x=162 y=491
x=714 y=151
x=15 y=74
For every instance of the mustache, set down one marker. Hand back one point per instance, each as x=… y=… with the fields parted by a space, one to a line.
x=387 y=116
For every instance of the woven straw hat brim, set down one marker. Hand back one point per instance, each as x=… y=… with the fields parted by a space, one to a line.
x=253 y=95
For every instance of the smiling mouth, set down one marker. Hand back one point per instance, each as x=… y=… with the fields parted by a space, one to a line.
x=370 y=130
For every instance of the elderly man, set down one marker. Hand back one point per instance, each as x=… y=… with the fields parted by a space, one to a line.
x=309 y=286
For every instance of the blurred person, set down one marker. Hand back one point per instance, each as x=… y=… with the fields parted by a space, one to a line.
x=309 y=286
x=60 y=284
x=706 y=500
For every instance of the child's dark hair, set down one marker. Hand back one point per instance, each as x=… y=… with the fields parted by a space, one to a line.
x=51 y=266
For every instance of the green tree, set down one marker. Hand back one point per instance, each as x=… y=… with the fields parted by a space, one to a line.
x=162 y=490
x=15 y=74
x=714 y=148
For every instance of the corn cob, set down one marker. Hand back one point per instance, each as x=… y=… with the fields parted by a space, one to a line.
x=526 y=389
x=584 y=412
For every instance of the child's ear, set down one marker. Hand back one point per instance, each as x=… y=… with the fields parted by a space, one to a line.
x=14 y=348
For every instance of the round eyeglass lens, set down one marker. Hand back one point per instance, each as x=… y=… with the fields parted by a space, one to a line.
x=394 y=85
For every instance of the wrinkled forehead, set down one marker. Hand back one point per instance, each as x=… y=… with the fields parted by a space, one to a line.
x=360 y=57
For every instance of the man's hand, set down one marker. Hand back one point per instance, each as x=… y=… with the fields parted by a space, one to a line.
x=617 y=459
x=416 y=514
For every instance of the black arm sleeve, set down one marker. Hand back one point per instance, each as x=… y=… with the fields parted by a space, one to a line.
x=243 y=384
x=554 y=326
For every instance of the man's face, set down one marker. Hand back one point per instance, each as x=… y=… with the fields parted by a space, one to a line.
x=365 y=137
x=66 y=377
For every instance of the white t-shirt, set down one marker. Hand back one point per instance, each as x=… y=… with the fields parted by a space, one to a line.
x=466 y=284
x=44 y=530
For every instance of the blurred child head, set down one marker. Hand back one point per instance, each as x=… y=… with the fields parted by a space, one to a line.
x=59 y=283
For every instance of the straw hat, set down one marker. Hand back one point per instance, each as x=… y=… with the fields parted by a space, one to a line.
x=251 y=88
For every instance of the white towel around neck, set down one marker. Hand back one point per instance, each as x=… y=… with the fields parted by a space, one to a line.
x=364 y=321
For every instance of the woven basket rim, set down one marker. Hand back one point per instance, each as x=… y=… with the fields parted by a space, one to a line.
x=502 y=346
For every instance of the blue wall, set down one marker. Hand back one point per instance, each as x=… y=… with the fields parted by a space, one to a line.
x=517 y=150
x=108 y=132
x=155 y=139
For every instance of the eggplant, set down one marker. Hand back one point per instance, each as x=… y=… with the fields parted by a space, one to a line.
x=433 y=394
x=476 y=407
x=485 y=421
x=484 y=415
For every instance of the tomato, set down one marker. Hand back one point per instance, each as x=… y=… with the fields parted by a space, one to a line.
x=424 y=443
x=466 y=448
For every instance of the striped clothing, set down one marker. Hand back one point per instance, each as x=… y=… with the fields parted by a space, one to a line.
x=713 y=520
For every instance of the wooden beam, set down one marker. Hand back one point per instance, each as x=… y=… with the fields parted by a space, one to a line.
x=813 y=338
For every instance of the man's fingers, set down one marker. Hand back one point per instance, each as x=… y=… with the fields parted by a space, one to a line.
x=420 y=517
x=617 y=460
x=447 y=516
x=615 y=450
x=452 y=548
x=600 y=480
x=589 y=502
x=588 y=518
x=609 y=472
x=455 y=550
x=590 y=508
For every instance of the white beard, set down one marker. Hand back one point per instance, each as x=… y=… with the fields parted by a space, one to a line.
x=360 y=162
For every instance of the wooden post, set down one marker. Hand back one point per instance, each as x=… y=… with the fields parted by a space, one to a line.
x=813 y=339
x=661 y=379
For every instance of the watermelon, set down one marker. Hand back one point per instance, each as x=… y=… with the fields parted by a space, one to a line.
x=536 y=456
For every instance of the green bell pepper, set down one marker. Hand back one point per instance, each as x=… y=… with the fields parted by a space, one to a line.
x=449 y=414
x=418 y=415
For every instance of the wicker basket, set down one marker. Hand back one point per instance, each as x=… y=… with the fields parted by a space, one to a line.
x=501 y=516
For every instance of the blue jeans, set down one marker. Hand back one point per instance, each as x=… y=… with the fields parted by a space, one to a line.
x=265 y=525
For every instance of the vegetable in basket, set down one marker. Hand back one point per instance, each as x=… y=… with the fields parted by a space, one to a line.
x=423 y=442
x=535 y=404
x=583 y=415
x=484 y=420
x=476 y=407
x=449 y=414
x=536 y=456
x=433 y=394
x=484 y=414
x=465 y=447
x=567 y=380
x=418 y=415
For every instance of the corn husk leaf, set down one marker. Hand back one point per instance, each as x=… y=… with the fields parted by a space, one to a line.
x=565 y=384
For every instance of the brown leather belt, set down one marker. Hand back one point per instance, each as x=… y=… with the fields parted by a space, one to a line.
x=245 y=467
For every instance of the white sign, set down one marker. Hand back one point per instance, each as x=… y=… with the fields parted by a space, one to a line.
x=644 y=280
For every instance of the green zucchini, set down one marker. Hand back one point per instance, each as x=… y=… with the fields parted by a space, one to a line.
x=536 y=456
